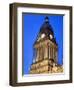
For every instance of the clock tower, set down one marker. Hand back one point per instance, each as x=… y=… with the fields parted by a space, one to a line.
x=45 y=51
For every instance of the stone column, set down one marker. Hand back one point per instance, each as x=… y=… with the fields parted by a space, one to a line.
x=49 y=52
x=40 y=53
x=53 y=53
x=56 y=56
x=37 y=56
x=45 y=52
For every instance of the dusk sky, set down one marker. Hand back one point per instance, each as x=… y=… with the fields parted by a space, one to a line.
x=31 y=28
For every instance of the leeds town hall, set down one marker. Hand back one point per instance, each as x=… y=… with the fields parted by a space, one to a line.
x=45 y=58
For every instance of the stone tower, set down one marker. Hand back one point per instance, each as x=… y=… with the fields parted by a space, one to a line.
x=45 y=50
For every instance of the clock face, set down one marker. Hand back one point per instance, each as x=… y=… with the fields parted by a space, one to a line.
x=43 y=35
x=51 y=36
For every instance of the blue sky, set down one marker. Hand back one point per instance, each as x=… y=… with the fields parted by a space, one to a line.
x=31 y=28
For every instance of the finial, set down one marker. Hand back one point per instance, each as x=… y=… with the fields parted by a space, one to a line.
x=46 y=19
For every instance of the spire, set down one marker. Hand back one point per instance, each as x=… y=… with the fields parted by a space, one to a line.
x=46 y=27
x=47 y=30
x=46 y=19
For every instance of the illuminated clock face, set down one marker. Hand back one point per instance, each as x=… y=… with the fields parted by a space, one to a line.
x=51 y=36
x=43 y=35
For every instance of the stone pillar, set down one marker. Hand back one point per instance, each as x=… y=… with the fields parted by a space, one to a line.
x=40 y=53
x=37 y=56
x=56 y=56
x=53 y=53
x=49 y=52
x=45 y=52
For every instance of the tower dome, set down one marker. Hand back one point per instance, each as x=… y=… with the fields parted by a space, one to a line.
x=46 y=28
x=46 y=32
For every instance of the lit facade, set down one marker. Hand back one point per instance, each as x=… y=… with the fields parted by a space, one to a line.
x=45 y=51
